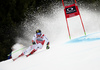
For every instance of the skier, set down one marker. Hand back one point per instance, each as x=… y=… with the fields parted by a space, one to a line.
x=38 y=42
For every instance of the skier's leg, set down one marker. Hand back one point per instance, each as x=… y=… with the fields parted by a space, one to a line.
x=35 y=48
x=32 y=49
x=31 y=52
x=23 y=53
x=26 y=51
x=39 y=46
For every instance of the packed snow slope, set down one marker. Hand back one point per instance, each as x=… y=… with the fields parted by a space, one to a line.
x=81 y=53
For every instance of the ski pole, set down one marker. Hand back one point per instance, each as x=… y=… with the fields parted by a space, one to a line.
x=15 y=51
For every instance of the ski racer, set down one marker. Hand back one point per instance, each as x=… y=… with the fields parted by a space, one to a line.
x=38 y=42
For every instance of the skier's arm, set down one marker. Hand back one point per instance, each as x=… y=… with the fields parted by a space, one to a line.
x=34 y=39
x=47 y=42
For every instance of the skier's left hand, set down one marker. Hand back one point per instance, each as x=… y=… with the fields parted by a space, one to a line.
x=47 y=47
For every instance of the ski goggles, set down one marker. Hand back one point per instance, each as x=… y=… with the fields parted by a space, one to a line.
x=38 y=33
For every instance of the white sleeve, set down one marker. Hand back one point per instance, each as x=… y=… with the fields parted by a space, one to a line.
x=45 y=38
x=34 y=37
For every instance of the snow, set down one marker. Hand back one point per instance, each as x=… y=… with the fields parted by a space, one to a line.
x=80 y=55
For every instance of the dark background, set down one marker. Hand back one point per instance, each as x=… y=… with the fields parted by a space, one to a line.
x=13 y=12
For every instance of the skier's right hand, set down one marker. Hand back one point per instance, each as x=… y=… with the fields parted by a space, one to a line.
x=33 y=43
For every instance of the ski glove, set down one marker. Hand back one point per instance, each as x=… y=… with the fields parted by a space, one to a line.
x=33 y=43
x=47 y=47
